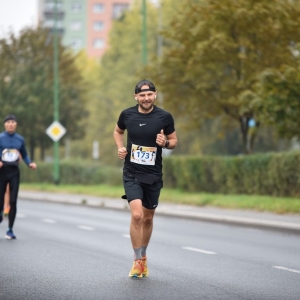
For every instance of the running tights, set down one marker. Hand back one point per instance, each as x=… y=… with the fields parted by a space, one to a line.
x=10 y=175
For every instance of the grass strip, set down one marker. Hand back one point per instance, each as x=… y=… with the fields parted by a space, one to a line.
x=279 y=205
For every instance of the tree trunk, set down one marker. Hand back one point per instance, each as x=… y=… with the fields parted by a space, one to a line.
x=250 y=143
x=252 y=133
x=248 y=133
x=244 y=129
x=252 y=139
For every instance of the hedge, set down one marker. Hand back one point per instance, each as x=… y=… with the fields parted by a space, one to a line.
x=275 y=174
x=73 y=172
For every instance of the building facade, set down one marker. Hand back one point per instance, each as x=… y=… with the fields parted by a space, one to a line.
x=83 y=24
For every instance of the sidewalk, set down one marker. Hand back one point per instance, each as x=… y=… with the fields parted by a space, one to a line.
x=240 y=217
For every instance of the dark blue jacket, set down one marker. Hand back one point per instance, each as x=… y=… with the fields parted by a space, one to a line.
x=13 y=141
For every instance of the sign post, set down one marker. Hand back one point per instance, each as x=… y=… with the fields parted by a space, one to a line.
x=55 y=92
x=55 y=131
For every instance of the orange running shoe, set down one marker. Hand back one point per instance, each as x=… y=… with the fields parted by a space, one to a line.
x=145 y=272
x=137 y=269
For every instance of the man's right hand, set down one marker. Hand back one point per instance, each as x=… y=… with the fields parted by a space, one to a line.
x=32 y=166
x=122 y=152
x=1 y=164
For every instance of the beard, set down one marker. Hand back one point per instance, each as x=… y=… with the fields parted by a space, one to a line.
x=147 y=106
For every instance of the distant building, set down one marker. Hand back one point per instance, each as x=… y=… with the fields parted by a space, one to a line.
x=83 y=24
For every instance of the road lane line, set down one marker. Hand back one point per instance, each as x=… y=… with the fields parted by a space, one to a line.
x=198 y=250
x=286 y=269
x=49 y=221
x=85 y=227
x=126 y=236
x=21 y=216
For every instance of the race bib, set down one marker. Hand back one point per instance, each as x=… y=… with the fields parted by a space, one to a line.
x=10 y=155
x=143 y=155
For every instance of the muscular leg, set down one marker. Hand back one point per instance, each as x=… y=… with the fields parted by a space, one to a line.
x=14 y=189
x=136 y=234
x=147 y=225
x=136 y=229
x=141 y=224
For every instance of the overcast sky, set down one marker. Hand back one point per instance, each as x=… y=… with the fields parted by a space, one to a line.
x=16 y=14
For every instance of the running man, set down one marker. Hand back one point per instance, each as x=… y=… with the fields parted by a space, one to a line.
x=11 y=146
x=149 y=129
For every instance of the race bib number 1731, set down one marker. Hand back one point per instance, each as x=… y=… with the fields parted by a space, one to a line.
x=143 y=155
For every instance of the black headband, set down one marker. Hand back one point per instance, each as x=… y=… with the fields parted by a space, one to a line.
x=138 y=88
x=146 y=90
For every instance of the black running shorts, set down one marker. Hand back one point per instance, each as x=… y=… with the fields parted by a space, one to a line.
x=149 y=194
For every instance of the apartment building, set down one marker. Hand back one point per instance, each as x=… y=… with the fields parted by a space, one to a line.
x=83 y=24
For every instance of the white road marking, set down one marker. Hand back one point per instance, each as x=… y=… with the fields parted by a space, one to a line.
x=50 y=221
x=85 y=227
x=21 y=216
x=126 y=236
x=286 y=269
x=198 y=250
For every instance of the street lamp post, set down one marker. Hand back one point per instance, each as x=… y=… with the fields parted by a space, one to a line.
x=55 y=92
x=144 y=38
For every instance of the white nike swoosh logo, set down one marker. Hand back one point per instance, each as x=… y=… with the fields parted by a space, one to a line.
x=142 y=124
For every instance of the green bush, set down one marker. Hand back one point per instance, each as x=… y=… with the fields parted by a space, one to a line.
x=73 y=172
x=275 y=174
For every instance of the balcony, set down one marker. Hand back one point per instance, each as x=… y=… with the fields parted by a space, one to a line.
x=51 y=15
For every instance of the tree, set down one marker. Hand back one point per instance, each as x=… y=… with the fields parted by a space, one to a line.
x=277 y=100
x=26 y=90
x=217 y=51
x=91 y=74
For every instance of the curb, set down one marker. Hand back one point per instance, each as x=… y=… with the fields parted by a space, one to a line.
x=232 y=220
x=165 y=210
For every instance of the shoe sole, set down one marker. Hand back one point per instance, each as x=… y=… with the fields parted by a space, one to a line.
x=135 y=276
x=9 y=237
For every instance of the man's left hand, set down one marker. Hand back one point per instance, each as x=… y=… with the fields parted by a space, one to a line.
x=161 y=139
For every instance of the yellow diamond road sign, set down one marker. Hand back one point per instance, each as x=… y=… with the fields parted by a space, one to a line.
x=56 y=131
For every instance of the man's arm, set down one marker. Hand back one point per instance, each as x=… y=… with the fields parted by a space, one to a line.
x=26 y=159
x=171 y=141
x=24 y=155
x=119 y=140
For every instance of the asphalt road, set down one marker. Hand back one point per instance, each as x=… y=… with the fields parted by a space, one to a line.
x=74 y=252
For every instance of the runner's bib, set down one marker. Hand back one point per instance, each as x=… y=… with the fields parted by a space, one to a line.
x=10 y=155
x=143 y=155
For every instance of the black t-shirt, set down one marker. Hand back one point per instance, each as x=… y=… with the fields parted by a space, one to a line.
x=142 y=130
